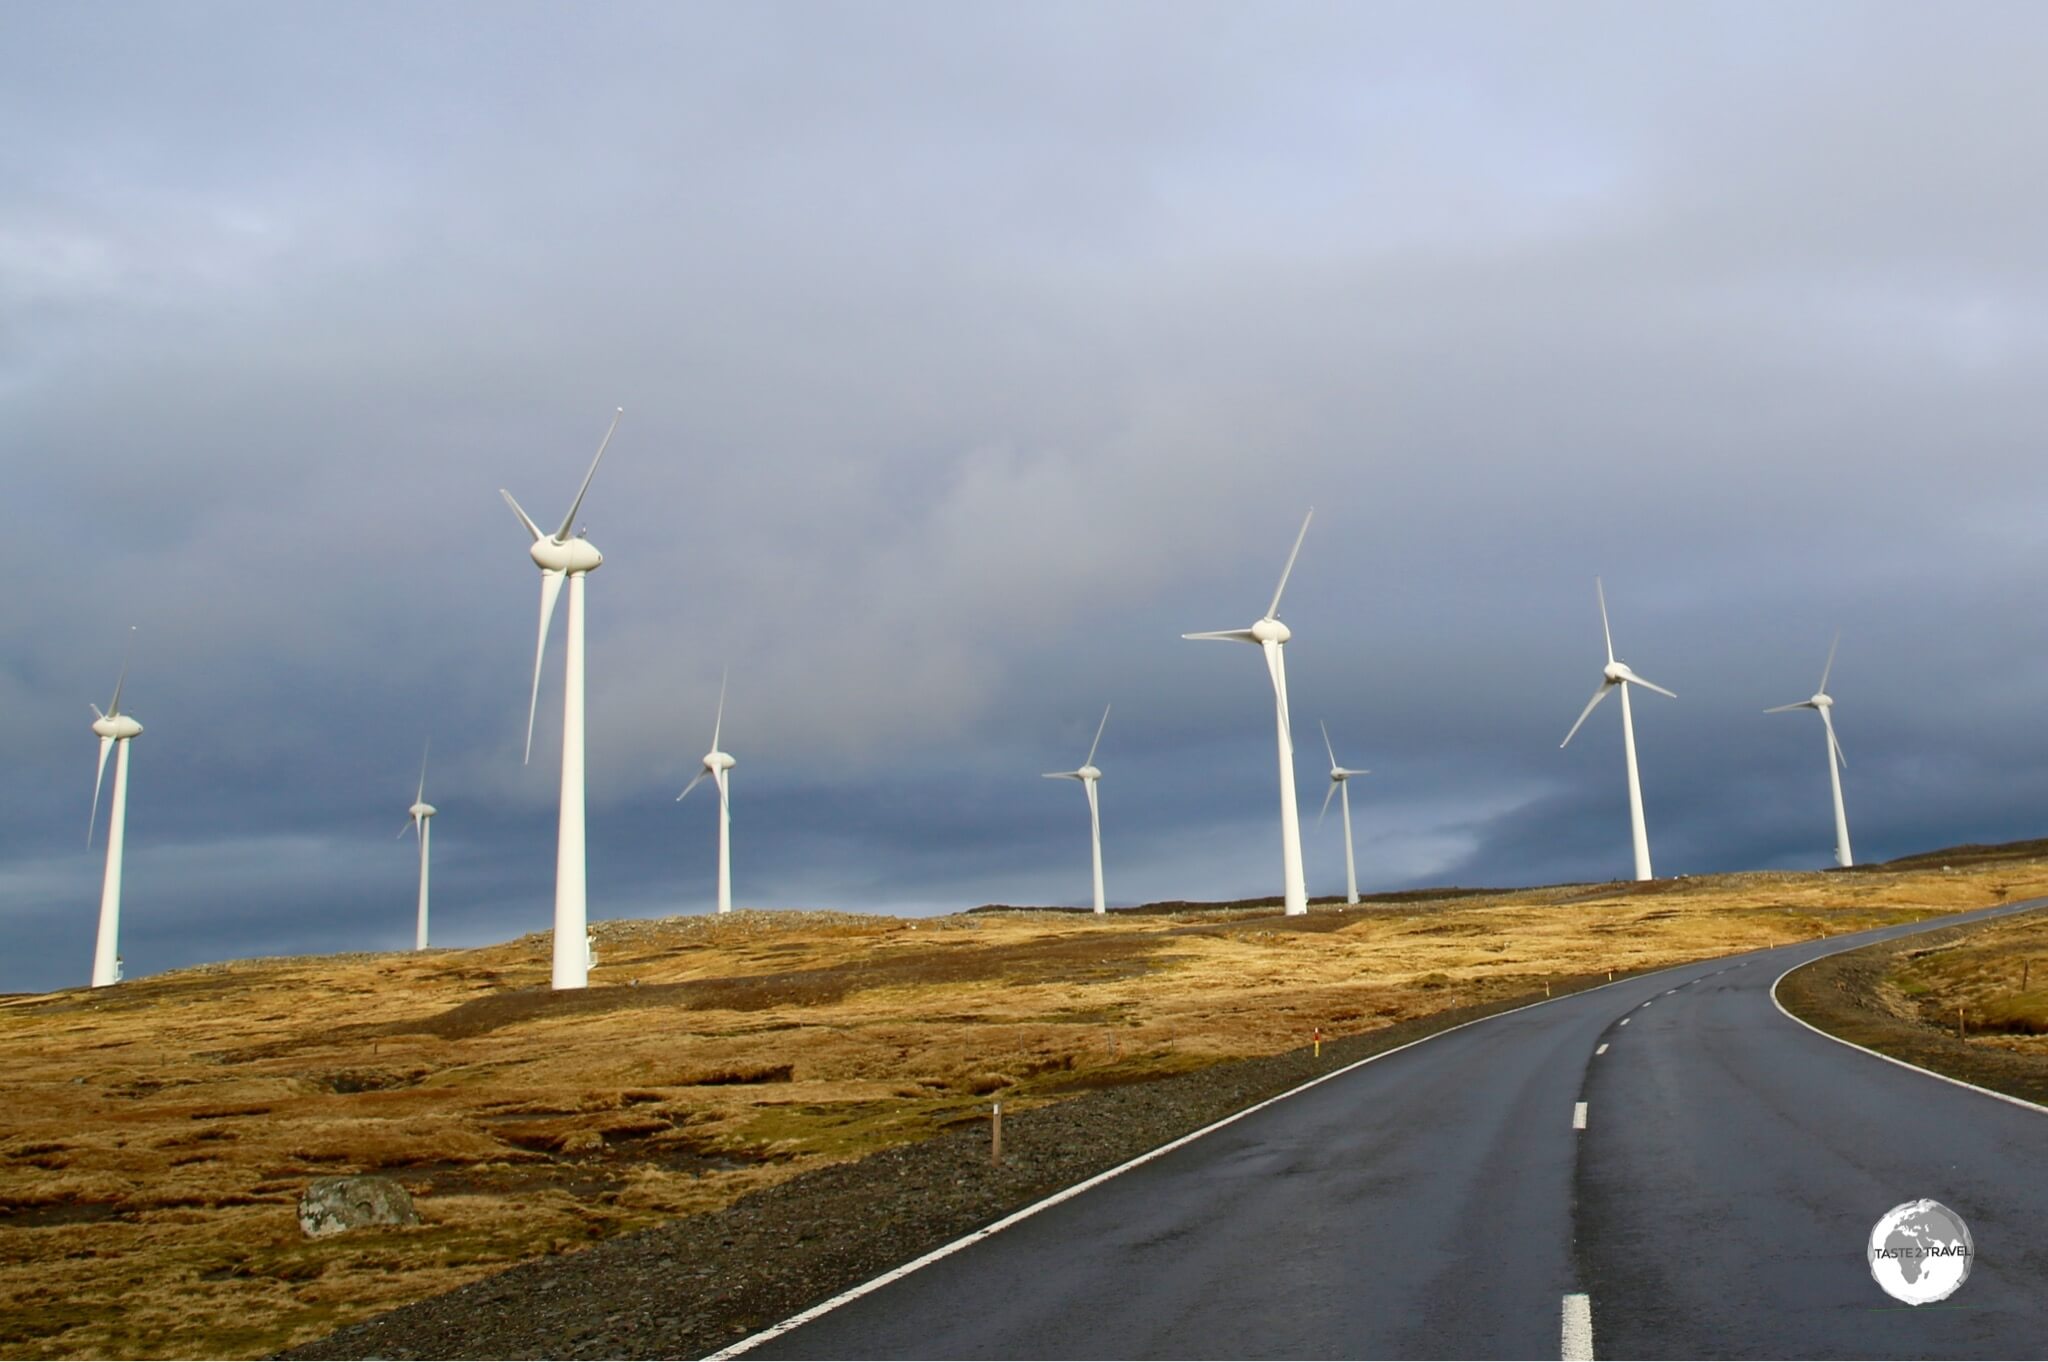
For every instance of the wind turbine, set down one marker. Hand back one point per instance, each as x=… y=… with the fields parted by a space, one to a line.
x=115 y=729
x=562 y=557
x=1616 y=675
x=716 y=765
x=1824 y=702
x=421 y=811
x=1338 y=777
x=1269 y=633
x=1088 y=774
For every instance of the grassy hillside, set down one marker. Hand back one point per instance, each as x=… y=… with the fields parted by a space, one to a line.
x=154 y=1137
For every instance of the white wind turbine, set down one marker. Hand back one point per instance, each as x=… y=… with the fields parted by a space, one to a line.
x=1825 y=703
x=716 y=765
x=1338 y=776
x=417 y=824
x=1617 y=676
x=1269 y=633
x=114 y=729
x=1087 y=773
x=559 y=556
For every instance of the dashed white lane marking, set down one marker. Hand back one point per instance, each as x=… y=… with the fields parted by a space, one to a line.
x=1624 y=1021
x=1578 y=1116
x=1648 y=1003
x=1578 y=1329
x=1603 y=1048
x=1669 y=991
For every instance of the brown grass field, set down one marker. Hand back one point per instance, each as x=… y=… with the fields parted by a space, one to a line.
x=155 y=1136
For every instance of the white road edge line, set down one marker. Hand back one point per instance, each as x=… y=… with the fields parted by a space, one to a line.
x=752 y=1341
x=1577 y=1344
x=1578 y=1116
x=1603 y=1048
x=1878 y=1054
x=854 y=1293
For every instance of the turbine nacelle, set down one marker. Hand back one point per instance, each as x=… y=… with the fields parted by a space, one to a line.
x=571 y=555
x=1270 y=630
x=422 y=810
x=115 y=727
x=1822 y=700
x=715 y=762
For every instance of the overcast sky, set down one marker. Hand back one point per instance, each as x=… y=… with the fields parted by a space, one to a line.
x=970 y=355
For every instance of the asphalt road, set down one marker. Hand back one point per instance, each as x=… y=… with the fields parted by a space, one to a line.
x=1439 y=1202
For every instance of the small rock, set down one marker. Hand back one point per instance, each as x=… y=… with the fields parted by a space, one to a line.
x=332 y=1205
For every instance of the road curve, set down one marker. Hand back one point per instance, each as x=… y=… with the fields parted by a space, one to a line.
x=1711 y=1197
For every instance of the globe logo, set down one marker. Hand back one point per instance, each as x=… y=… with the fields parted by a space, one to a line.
x=1920 y=1252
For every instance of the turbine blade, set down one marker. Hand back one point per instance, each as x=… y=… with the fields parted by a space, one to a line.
x=550 y=592
x=1598 y=696
x=1273 y=610
x=96 y=712
x=106 y=746
x=1098 y=736
x=114 y=707
x=1273 y=669
x=421 y=797
x=693 y=783
x=718 y=723
x=411 y=825
x=1605 y=632
x=1831 y=662
x=1235 y=635
x=1327 y=748
x=1833 y=741
x=570 y=519
x=524 y=518
x=1652 y=685
x=1786 y=709
x=1063 y=775
x=1347 y=773
x=1327 y=796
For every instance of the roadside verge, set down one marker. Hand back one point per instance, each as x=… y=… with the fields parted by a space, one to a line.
x=1843 y=997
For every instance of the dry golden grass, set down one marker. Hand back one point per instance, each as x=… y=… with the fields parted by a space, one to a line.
x=1996 y=977
x=156 y=1136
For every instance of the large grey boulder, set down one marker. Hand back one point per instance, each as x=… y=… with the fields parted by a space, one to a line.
x=332 y=1205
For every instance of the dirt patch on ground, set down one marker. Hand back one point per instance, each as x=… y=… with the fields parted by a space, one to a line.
x=1874 y=998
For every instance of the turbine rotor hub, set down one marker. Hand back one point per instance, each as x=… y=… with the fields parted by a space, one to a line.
x=1089 y=773
x=719 y=761
x=1271 y=631
x=422 y=810
x=566 y=555
x=116 y=726
x=1617 y=672
x=1822 y=700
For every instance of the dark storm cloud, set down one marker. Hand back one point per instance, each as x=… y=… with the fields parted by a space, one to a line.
x=970 y=356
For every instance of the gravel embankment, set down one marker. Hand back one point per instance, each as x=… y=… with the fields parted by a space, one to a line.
x=691 y=1286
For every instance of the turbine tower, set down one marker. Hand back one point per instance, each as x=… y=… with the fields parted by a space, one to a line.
x=115 y=729
x=1338 y=777
x=560 y=557
x=1616 y=676
x=421 y=811
x=1269 y=633
x=1088 y=774
x=1825 y=703
x=716 y=765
